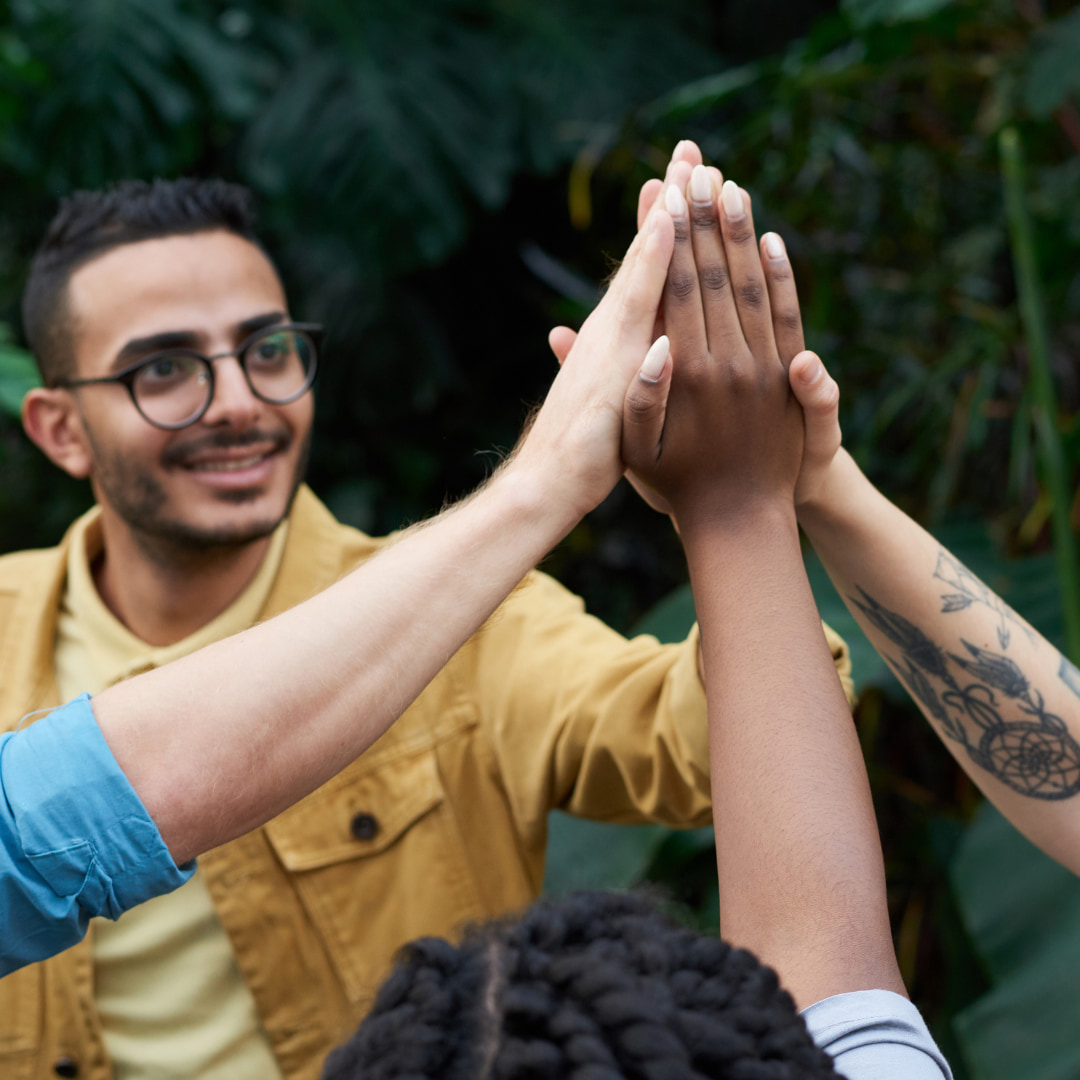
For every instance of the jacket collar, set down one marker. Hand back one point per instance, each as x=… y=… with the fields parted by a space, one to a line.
x=32 y=583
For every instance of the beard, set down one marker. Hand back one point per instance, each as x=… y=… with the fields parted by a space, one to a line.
x=140 y=500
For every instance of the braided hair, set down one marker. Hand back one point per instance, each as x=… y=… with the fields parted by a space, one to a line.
x=595 y=986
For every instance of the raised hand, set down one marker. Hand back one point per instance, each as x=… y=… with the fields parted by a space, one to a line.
x=731 y=435
x=578 y=429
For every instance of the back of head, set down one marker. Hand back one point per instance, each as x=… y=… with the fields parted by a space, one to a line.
x=89 y=223
x=596 y=986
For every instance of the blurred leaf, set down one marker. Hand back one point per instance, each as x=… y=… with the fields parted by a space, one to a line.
x=1022 y=911
x=1053 y=72
x=18 y=374
x=671 y=619
x=867 y=668
x=865 y=13
x=694 y=97
x=595 y=855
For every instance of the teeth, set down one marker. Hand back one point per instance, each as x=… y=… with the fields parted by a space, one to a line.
x=228 y=466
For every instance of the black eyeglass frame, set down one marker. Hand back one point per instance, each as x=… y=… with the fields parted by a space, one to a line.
x=126 y=378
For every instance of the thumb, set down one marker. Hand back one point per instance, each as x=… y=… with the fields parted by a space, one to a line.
x=561 y=339
x=645 y=408
x=649 y=191
x=816 y=391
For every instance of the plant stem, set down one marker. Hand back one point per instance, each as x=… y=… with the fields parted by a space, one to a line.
x=1044 y=400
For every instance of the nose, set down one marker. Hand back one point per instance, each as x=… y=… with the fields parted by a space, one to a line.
x=233 y=403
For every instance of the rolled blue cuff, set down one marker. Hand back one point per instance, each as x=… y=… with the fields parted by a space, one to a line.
x=83 y=831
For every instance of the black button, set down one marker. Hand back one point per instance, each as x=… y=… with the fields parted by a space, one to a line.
x=66 y=1066
x=364 y=826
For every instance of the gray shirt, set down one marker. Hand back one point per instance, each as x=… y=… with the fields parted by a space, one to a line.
x=876 y=1035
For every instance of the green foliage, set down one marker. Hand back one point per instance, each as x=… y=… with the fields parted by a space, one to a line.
x=1023 y=912
x=865 y=13
x=18 y=373
x=441 y=181
x=1053 y=73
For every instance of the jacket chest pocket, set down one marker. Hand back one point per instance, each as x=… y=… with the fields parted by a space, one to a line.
x=377 y=860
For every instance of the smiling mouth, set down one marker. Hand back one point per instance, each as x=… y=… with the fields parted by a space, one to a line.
x=230 y=464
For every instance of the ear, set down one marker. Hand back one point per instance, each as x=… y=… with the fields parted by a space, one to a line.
x=53 y=423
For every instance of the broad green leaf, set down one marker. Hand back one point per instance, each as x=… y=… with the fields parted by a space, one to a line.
x=595 y=855
x=18 y=374
x=865 y=13
x=671 y=619
x=1022 y=911
x=1053 y=71
x=867 y=667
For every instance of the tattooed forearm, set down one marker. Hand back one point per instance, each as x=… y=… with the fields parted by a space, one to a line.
x=985 y=702
x=968 y=590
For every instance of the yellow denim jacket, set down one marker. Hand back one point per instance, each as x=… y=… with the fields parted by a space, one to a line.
x=442 y=821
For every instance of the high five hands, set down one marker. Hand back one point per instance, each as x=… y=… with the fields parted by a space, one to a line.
x=718 y=427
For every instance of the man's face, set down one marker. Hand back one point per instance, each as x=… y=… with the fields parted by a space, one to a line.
x=230 y=477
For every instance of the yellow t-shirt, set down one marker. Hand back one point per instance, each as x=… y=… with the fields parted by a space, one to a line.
x=172 y=1001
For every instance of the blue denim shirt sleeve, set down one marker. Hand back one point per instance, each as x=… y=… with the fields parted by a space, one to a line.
x=75 y=839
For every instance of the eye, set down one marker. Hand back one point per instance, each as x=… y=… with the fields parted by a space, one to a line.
x=169 y=371
x=269 y=351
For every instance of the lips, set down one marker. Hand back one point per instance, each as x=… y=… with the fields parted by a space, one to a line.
x=226 y=452
x=228 y=464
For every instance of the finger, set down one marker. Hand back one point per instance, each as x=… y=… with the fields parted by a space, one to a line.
x=747 y=276
x=685 y=150
x=639 y=285
x=783 y=298
x=646 y=197
x=561 y=340
x=684 y=319
x=816 y=391
x=645 y=406
x=714 y=281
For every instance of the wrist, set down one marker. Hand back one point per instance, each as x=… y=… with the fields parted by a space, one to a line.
x=750 y=523
x=532 y=501
x=829 y=497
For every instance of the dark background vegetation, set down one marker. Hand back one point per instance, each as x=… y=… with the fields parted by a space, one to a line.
x=443 y=180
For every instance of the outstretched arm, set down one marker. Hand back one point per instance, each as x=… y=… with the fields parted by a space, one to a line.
x=220 y=741
x=1004 y=700
x=800 y=868
x=304 y=694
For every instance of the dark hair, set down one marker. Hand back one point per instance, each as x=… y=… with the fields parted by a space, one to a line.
x=90 y=223
x=597 y=986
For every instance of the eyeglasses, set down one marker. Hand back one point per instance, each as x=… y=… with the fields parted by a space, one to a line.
x=174 y=388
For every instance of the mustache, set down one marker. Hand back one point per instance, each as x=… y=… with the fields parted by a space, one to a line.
x=182 y=453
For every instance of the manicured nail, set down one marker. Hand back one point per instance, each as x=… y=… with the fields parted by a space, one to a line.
x=774 y=246
x=652 y=367
x=674 y=202
x=700 y=185
x=734 y=210
x=812 y=372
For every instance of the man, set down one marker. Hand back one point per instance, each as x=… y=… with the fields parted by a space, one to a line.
x=267 y=957
x=103 y=803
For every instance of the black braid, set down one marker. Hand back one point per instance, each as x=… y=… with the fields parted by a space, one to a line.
x=428 y=1020
x=597 y=986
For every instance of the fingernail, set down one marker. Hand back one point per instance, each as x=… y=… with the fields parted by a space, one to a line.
x=774 y=246
x=733 y=201
x=652 y=366
x=812 y=372
x=678 y=146
x=674 y=202
x=700 y=185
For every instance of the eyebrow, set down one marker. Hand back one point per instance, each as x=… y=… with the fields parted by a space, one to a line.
x=187 y=339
